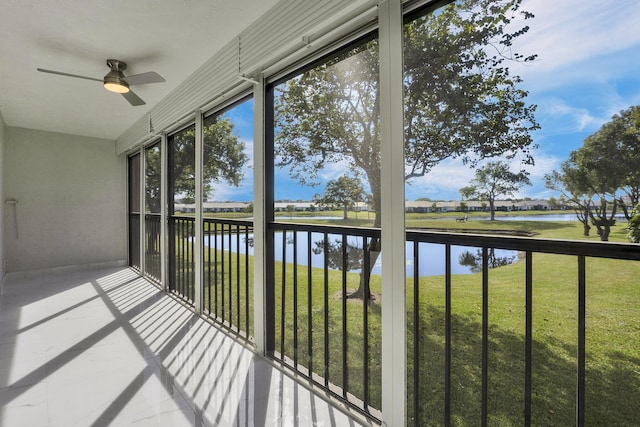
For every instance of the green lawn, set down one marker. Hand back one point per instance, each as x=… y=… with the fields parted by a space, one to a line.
x=613 y=332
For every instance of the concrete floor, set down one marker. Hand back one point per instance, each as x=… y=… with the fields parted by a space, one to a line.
x=106 y=347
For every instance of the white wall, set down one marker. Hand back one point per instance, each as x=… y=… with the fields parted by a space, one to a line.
x=2 y=205
x=71 y=193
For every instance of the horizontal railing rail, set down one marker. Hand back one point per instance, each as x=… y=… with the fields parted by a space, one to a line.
x=612 y=250
x=227 y=275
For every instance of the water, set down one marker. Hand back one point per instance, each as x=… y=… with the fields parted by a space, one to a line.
x=431 y=259
x=551 y=217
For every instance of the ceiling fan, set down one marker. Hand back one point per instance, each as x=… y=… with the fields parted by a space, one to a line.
x=116 y=81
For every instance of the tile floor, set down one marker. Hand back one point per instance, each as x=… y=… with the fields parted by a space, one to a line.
x=105 y=347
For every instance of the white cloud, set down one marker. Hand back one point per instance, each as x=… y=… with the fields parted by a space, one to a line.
x=443 y=181
x=567 y=118
x=568 y=33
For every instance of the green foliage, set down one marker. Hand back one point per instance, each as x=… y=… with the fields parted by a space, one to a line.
x=223 y=158
x=493 y=180
x=460 y=99
x=608 y=162
x=153 y=182
x=343 y=192
x=634 y=225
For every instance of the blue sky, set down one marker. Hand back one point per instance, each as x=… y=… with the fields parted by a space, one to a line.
x=588 y=69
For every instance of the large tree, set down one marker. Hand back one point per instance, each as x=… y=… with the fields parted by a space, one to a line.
x=493 y=180
x=343 y=192
x=607 y=164
x=621 y=135
x=460 y=100
x=223 y=158
x=572 y=190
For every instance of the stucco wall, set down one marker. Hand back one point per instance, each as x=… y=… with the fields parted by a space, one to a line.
x=70 y=193
x=2 y=205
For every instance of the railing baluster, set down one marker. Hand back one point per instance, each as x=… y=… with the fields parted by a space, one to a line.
x=246 y=281
x=416 y=333
x=485 y=335
x=365 y=320
x=295 y=299
x=209 y=284
x=283 y=294
x=345 y=261
x=580 y=398
x=192 y=276
x=185 y=241
x=182 y=259
x=528 y=336
x=326 y=310
x=309 y=306
x=223 y=280
x=215 y=272
x=447 y=335
x=229 y=233
x=238 y=275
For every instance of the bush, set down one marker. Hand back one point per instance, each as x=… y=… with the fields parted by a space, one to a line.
x=634 y=225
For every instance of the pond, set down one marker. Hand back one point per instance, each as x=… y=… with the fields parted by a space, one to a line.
x=431 y=260
x=550 y=217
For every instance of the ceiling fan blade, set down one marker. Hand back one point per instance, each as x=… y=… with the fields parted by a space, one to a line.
x=144 y=78
x=133 y=99
x=42 y=70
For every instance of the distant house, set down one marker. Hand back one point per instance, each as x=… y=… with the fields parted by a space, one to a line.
x=212 y=207
x=415 y=206
x=297 y=206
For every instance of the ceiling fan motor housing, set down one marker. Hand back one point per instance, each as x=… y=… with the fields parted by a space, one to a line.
x=115 y=76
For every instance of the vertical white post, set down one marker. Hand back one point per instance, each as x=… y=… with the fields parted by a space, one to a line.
x=164 y=249
x=199 y=232
x=393 y=226
x=143 y=209
x=259 y=217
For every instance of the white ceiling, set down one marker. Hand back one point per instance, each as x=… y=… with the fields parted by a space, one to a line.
x=171 y=37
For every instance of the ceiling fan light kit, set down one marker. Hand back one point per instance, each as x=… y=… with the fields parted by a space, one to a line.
x=116 y=81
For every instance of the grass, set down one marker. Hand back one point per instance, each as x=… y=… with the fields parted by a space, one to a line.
x=613 y=332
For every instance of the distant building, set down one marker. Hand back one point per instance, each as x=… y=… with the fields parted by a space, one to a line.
x=415 y=206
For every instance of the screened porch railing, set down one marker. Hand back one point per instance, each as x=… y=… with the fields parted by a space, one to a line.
x=153 y=244
x=134 y=241
x=182 y=257
x=335 y=342
x=227 y=275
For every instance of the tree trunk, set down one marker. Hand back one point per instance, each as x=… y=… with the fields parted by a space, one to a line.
x=345 y=211
x=373 y=252
x=492 y=208
x=583 y=216
x=373 y=249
